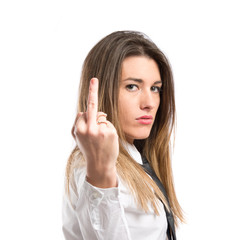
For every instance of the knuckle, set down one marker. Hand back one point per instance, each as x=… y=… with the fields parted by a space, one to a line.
x=112 y=133
x=102 y=134
x=102 y=114
x=92 y=104
x=90 y=132
x=79 y=126
x=77 y=130
x=78 y=116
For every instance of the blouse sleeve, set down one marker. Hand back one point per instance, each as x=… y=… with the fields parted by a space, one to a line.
x=70 y=227
x=95 y=213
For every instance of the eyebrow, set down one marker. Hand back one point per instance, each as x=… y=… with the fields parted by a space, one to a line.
x=139 y=80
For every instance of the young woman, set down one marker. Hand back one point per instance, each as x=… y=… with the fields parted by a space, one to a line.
x=119 y=182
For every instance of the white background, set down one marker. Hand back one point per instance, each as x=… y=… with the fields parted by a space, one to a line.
x=43 y=44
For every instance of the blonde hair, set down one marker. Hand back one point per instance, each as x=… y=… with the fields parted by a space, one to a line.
x=104 y=62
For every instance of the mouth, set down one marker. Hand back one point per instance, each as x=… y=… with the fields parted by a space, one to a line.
x=147 y=119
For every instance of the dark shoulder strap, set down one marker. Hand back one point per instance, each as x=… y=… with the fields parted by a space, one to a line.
x=171 y=227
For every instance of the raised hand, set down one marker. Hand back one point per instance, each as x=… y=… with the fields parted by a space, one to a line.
x=97 y=139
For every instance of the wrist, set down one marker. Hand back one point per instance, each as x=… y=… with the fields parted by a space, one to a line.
x=102 y=177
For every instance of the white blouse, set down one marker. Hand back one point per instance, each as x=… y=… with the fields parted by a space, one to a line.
x=109 y=214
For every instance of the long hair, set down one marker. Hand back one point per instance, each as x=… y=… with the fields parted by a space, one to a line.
x=104 y=62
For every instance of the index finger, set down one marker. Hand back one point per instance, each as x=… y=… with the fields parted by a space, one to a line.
x=92 y=106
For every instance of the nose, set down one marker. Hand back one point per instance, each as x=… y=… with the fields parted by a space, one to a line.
x=147 y=100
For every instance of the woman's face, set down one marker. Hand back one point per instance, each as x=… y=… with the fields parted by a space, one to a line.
x=139 y=96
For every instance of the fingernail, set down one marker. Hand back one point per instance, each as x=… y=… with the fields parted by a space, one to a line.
x=93 y=80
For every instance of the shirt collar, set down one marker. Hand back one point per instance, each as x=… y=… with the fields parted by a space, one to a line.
x=133 y=152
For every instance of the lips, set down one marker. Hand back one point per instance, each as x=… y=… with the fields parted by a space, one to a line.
x=146 y=119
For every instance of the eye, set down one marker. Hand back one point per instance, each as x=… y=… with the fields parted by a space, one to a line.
x=132 y=87
x=156 y=89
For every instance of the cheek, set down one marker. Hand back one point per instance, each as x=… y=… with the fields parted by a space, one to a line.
x=126 y=112
x=124 y=109
x=158 y=100
x=123 y=102
x=157 y=104
x=121 y=110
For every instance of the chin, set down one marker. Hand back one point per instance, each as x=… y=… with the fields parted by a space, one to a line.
x=141 y=136
x=137 y=134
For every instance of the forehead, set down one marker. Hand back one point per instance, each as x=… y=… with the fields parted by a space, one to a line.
x=140 y=67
